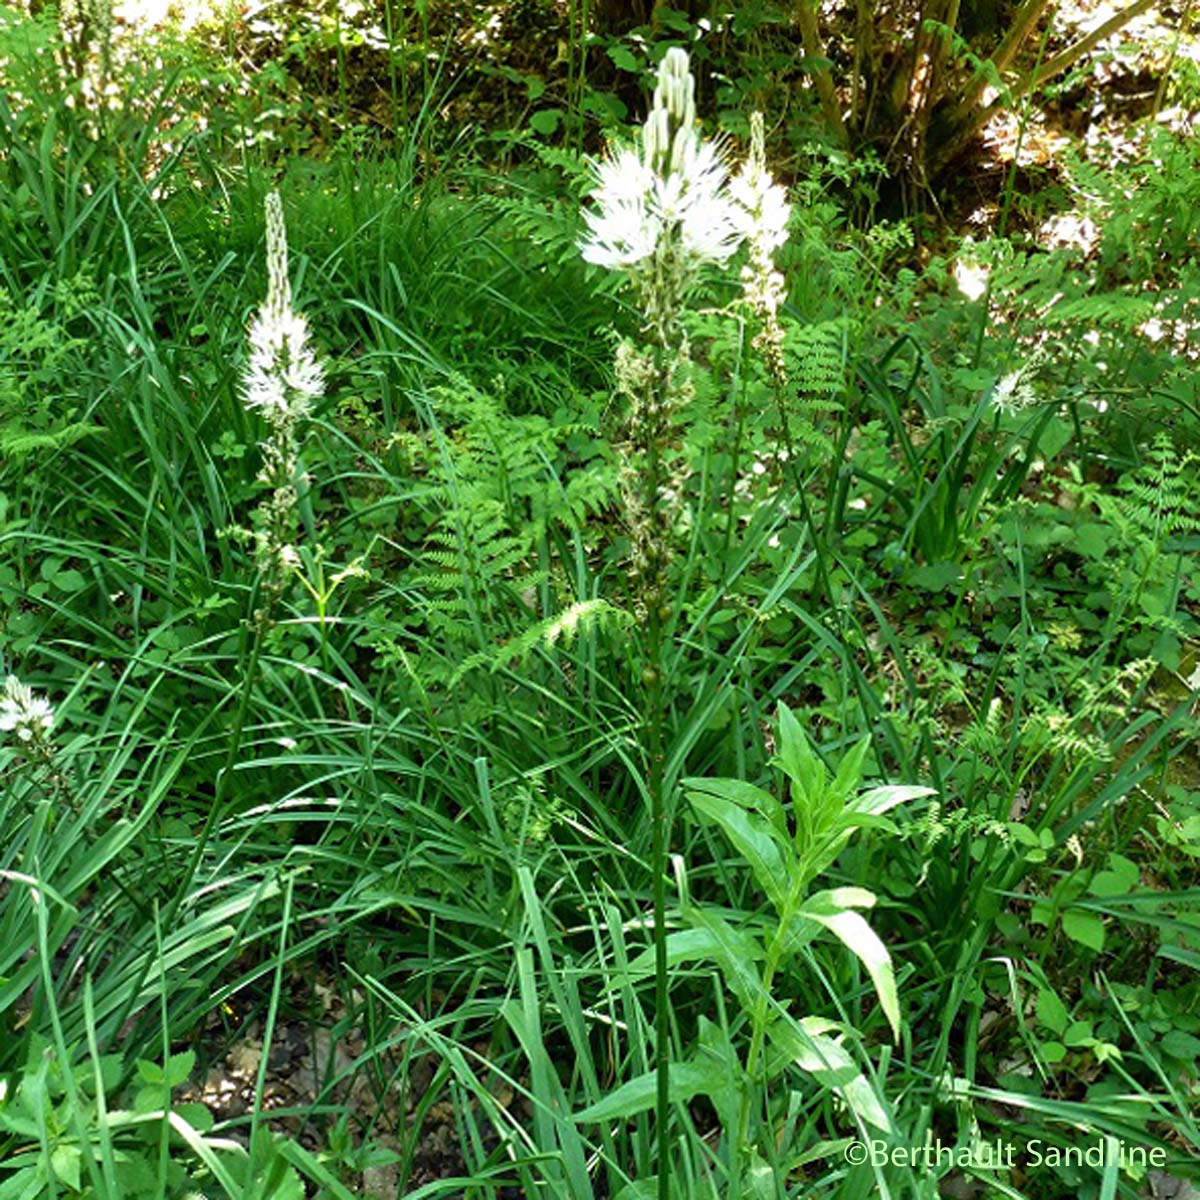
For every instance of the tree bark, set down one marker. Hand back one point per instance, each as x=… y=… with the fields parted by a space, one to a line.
x=963 y=125
x=1024 y=21
x=822 y=77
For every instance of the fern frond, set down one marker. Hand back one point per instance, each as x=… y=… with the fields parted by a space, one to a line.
x=559 y=630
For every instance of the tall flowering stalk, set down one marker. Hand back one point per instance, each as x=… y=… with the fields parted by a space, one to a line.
x=763 y=211
x=282 y=379
x=663 y=211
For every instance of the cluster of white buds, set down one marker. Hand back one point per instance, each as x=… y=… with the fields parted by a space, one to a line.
x=283 y=376
x=1015 y=391
x=763 y=211
x=672 y=196
x=29 y=718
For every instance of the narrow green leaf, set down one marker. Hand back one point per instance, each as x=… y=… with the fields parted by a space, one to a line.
x=685 y=1080
x=744 y=795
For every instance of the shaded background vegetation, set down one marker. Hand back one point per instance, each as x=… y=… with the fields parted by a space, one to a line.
x=397 y=954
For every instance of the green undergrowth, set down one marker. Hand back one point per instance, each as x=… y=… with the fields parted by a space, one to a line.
x=957 y=557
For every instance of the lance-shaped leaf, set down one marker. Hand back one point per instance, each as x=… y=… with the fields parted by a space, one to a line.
x=687 y=945
x=744 y=795
x=879 y=800
x=797 y=760
x=736 y=953
x=754 y=838
x=807 y=1043
x=707 y=1076
x=831 y=910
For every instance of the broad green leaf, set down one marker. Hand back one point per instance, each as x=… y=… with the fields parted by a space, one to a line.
x=754 y=839
x=716 y=1047
x=686 y=945
x=1084 y=927
x=797 y=760
x=683 y=946
x=623 y=59
x=1179 y=1044
x=545 y=121
x=64 y=1161
x=1121 y=877
x=149 y=1099
x=179 y=1067
x=25 y=1127
x=735 y=952
x=836 y=899
x=879 y=800
x=1054 y=1052
x=862 y=1099
x=759 y=1182
x=196 y=1115
x=807 y=1044
x=1051 y=1012
x=1078 y=1033
x=149 y=1072
x=863 y=941
x=744 y=795
x=850 y=769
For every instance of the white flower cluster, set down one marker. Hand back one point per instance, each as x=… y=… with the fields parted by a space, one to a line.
x=1015 y=392
x=29 y=717
x=675 y=188
x=283 y=376
x=761 y=203
x=762 y=209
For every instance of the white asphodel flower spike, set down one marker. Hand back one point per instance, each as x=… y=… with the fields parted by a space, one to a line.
x=282 y=377
x=672 y=195
x=762 y=205
x=28 y=717
x=762 y=212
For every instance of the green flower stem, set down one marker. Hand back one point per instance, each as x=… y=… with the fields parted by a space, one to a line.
x=660 y=832
x=662 y=301
x=739 y=423
x=758 y=1030
x=658 y=857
